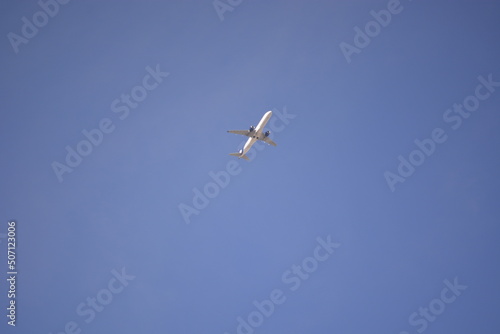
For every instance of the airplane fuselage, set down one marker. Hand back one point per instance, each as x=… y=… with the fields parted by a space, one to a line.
x=253 y=134
x=257 y=132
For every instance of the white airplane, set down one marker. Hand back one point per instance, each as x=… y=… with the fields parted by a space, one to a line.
x=254 y=134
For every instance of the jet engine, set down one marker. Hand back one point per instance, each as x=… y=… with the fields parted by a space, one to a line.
x=252 y=128
x=267 y=133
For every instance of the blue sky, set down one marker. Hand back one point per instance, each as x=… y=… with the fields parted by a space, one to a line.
x=314 y=231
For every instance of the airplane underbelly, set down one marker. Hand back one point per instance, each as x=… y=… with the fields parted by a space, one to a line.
x=248 y=145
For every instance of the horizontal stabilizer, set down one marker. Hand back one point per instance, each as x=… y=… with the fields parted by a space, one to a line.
x=239 y=155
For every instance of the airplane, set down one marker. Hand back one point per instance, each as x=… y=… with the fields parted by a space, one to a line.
x=254 y=134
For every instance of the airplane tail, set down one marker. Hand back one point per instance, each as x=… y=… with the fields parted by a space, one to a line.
x=239 y=155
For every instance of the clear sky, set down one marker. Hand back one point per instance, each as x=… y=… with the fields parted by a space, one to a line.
x=376 y=213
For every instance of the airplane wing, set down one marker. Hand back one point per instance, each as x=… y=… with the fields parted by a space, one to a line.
x=249 y=134
x=269 y=141
x=240 y=132
x=266 y=139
